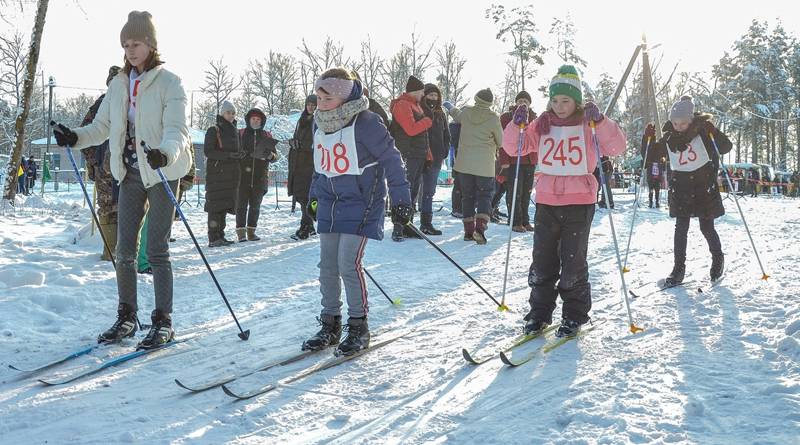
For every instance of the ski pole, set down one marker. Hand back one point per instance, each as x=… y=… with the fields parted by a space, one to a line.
x=764 y=275
x=244 y=335
x=512 y=212
x=638 y=192
x=634 y=328
x=394 y=302
x=55 y=128
x=500 y=306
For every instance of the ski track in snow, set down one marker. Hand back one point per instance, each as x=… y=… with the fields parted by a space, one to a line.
x=717 y=366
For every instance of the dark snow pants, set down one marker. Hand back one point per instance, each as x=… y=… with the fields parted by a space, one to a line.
x=559 y=266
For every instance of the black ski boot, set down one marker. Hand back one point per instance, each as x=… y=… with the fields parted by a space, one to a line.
x=161 y=331
x=426 y=225
x=329 y=334
x=397 y=233
x=717 y=266
x=569 y=328
x=358 y=337
x=676 y=276
x=125 y=326
x=535 y=326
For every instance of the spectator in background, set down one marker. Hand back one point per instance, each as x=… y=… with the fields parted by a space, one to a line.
x=527 y=166
x=301 y=166
x=795 y=180
x=260 y=150
x=23 y=167
x=409 y=128
x=31 y=173
x=223 y=150
x=98 y=168
x=455 y=196
x=607 y=169
x=481 y=136
x=439 y=141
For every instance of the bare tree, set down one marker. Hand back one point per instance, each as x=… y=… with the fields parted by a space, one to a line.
x=220 y=83
x=565 y=33
x=10 y=186
x=205 y=113
x=249 y=98
x=411 y=60
x=314 y=64
x=369 y=68
x=449 y=70
x=518 y=25
x=273 y=79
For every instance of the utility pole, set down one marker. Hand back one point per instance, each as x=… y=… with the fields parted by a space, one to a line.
x=50 y=85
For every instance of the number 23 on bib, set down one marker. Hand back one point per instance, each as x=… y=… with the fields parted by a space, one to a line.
x=562 y=152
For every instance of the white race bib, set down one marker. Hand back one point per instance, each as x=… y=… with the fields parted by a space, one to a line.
x=689 y=160
x=335 y=154
x=562 y=152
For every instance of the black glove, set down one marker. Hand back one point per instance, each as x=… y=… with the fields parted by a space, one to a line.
x=156 y=159
x=236 y=155
x=311 y=209
x=294 y=143
x=427 y=168
x=650 y=131
x=64 y=136
x=402 y=213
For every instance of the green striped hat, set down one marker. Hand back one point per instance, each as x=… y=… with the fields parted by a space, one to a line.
x=568 y=83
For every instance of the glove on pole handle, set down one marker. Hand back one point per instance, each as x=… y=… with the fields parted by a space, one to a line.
x=511 y=216
x=634 y=328
x=764 y=275
x=394 y=302
x=244 y=335
x=638 y=192
x=55 y=128
x=500 y=306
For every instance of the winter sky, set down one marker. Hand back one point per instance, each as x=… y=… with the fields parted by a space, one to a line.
x=81 y=36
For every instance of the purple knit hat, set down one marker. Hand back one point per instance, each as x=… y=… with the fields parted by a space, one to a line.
x=683 y=109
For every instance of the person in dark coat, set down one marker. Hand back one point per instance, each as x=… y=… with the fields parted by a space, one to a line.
x=260 y=151
x=301 y=166
x=653 y=169
x=693 y=188
x=30 y=176
x=607 y=170
x=223 y=151
x=23 y=166
x=455 y=195
x=439 y=140
x=527 y=166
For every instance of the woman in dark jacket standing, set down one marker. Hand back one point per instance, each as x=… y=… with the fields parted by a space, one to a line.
x=260 y=151
x=301 y=166
x=693 y=190
x=223 y=151
x=439 y=141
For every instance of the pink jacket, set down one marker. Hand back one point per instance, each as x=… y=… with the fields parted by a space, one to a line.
x=569 y=190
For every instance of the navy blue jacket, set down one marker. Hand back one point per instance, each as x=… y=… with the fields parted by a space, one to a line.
x=355 y=204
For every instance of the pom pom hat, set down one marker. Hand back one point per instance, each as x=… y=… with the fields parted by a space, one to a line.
x=485 y=96
x=139 y=27
x=567 y=82
x=683 y=109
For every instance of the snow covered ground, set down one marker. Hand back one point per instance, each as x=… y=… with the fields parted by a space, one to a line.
x=712 y=367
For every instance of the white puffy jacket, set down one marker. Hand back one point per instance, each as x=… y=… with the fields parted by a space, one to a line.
x=160 y=122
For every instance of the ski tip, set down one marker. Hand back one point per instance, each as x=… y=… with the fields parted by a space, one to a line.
x=178 y=382
x=505 y=359
x=467 y=356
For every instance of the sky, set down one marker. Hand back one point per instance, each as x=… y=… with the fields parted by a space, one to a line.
x=82 y=37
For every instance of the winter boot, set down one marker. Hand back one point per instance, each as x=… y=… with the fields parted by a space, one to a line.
x=125 y=326
x=358 y=337
x=535 y=326
x=161 y=331
x=676 y=276
x=397 y=233
x=469 y=228
x=568 y=328
x=481 y=224
x=109 y=228
x=251 y=234
x=717 y=266
x=519 y=229
x=241 y=232
x=329 y=334
x=303 y=232
x=220 y=242
x=426 y=225
x=528 y=227
x=408 y=232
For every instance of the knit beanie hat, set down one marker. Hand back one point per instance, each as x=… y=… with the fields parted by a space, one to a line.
x=485 y=96
x=523 y=95
x=683 y=109
x=567 y=82
x=414 y=84
x=226 y=106
x=112 y=72
x=431 y=88
x=311 y=99
x=139 y=27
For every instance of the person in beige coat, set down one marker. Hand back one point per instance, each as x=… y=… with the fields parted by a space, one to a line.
x=481 y=136
x=144 y=103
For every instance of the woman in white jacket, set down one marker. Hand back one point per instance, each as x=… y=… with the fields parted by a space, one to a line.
x=144 y=103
